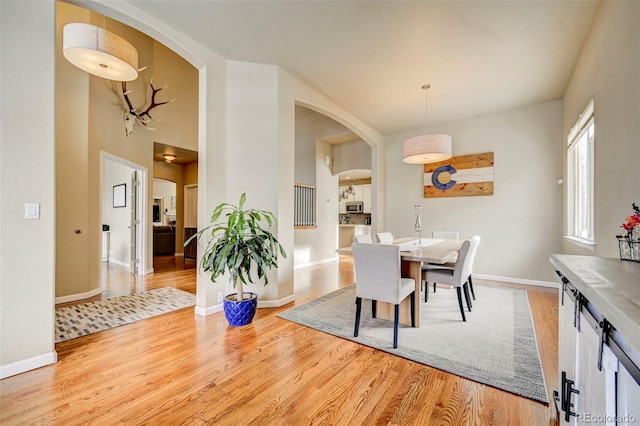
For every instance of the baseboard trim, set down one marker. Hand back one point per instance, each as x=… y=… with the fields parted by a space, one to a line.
x=276 y=303
x=78 y=296
x=261 y=304
x=28 y=364
x=203 y=312
x=315 y=262
x=118 y=262
x=516 y=280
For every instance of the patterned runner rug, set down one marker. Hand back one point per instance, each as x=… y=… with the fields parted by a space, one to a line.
x=80 y=320
x=496 y=346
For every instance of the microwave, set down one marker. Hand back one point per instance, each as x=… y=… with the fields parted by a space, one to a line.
x=354 y=207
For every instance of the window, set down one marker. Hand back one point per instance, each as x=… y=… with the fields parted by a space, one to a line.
x=580 y=158
x=305 y=206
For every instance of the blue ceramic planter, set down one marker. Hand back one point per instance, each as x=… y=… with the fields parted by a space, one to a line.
x=240 y=313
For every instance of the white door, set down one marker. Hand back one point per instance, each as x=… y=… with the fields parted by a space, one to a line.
x=134 y=224
x=191 y=206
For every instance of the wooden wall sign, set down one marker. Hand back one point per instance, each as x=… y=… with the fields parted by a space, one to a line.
x=460 y=176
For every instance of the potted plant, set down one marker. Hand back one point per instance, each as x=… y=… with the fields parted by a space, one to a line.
x=240 y=245
x=629 y=244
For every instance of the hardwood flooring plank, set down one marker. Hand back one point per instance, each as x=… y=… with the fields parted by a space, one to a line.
x=180 y=368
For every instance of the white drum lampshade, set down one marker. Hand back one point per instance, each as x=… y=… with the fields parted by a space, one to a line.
x=99 y=52
x=426 y=149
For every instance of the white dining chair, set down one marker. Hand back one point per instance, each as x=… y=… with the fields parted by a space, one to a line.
x=445 y=235
x=363 y=238
x=475 y=242
x=457 y=277
x=439 y=235
x=378 y=278
x=384 y=237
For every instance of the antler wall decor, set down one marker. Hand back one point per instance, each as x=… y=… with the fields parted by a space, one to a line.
x=132 y=115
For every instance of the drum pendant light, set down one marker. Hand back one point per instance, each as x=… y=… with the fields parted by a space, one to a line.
x=426 y=148
x=99 y=52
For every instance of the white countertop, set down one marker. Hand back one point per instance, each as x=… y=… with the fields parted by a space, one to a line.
x=612 y=285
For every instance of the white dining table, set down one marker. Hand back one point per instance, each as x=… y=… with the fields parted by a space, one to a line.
x=413 y=255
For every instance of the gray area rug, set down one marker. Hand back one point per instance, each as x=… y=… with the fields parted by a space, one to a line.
x=496 y=346
x=80 y=320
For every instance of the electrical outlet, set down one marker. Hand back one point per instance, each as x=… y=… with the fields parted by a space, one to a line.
x=220 y=296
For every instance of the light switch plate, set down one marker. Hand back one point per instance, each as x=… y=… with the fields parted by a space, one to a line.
x=32 y=211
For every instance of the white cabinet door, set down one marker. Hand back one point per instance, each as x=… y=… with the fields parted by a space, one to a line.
x=567 y=337
x=590 y=382
x=366 y=198
x=628 y=395
x=358 y=193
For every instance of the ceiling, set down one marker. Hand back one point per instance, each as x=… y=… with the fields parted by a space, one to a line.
x=372 y=57
x=355 y=175
x=183 y=156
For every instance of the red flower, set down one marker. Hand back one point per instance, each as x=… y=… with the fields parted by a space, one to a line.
x=631 y=222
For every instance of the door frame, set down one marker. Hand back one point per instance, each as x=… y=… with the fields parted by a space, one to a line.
x=141 y=207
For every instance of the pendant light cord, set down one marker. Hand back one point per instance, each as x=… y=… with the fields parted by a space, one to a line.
x=425 y=87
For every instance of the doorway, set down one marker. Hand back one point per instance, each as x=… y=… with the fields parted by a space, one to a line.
x=123 y=212
x=164 y=219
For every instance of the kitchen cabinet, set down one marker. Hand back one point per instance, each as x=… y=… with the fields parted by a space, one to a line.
x=598 y=337
x=342 y=203
x=584 y=387
x=627 y=389
x=362 y=193
x=346 y=233
x=366 y=198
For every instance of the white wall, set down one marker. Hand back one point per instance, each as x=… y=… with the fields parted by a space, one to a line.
x=318 y=244
x=520 y=225
x=293 y=92
x=27 y=254
x=309 y=127
x=609 y=71
x=253 y=150
x=349 y=156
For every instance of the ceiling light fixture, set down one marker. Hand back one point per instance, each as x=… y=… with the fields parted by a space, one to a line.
x=99 y=52
x=426 y=148
x=169 y=157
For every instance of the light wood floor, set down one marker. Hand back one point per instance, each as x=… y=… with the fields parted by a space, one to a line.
x=180 y=368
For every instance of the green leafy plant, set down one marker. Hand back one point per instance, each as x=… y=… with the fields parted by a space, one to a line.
x=239 y=243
